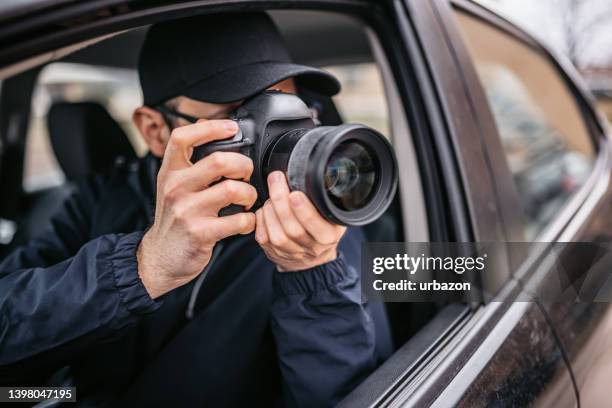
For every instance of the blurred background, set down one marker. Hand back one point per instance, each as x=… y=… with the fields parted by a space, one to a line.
x=580 y=30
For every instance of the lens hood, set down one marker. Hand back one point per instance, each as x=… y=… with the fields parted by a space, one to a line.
x=310 y=158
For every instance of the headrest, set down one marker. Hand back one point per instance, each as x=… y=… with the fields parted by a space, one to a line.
x=85 y=138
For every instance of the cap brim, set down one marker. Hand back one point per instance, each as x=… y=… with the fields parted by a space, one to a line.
x=245 y=81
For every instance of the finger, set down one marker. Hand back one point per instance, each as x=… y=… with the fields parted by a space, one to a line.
x=215 y=166
x=323 y=231
x=261 y=235
x=219 y=228
x=185 y=138
x=222 y=194
x=276 y=234
x=279 y=196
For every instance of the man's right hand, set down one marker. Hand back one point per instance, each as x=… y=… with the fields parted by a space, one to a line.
x=179 y=244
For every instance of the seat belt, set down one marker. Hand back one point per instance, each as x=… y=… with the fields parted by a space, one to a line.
x=195 y=291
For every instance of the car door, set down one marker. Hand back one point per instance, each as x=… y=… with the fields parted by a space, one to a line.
x=569 y=278
x=499 y=353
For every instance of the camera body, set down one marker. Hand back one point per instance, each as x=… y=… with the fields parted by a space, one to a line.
x=349 y=171
x=261 y=121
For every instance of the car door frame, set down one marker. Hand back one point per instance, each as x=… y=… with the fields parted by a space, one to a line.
x=456 y=134
x=462 y=343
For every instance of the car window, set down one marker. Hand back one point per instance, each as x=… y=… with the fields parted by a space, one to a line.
x=362 y=99
x=115 y=89
x=544 y=136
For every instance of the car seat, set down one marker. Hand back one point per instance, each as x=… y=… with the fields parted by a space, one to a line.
x=85 y=140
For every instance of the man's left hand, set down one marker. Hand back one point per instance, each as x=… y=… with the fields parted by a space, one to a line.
x=291 y=231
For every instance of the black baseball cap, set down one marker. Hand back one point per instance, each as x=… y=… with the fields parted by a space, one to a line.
x=220 y=58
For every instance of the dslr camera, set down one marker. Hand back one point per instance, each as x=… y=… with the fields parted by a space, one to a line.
x=349 y=171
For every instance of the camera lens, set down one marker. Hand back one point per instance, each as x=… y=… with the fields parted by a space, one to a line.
x=348 y=171
x=350 y=176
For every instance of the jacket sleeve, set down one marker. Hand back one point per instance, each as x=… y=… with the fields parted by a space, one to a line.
x=325 y=336
x=61 y=293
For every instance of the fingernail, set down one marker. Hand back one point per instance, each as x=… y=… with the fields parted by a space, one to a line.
x=296 y=199
x=231 y=126
x=275 y=177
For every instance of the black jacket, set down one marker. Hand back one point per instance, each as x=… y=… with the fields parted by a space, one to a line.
x=71 y=300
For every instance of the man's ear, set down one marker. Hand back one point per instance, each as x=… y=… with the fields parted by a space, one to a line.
x=153 y=129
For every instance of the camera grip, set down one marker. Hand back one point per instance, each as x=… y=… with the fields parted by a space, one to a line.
x=231 y=210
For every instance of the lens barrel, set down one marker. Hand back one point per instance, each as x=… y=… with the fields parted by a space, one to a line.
x=349 y=171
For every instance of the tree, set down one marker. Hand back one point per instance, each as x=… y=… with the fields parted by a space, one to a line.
x=580 y=29
x=583 y=21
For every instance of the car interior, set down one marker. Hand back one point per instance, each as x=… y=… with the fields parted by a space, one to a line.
x=85 y=135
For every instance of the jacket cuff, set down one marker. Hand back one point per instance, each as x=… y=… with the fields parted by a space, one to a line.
x=124 y=265
x=319 y=278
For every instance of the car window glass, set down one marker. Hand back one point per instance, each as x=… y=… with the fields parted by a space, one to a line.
x=545 y=139
x=362 y=99
x=115 y=89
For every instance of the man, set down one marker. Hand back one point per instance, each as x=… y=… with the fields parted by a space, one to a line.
x=100 y=301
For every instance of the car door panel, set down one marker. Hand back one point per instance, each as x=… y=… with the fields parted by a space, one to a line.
x=518 y=364
x=502 y=354
x=471 y=366
x=580 y=309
